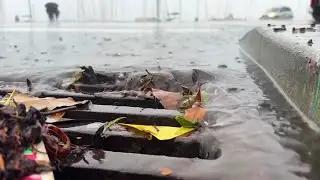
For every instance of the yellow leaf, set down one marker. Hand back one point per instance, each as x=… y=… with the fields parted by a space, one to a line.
x=161 y=132
x=166 y=171
x=7 y=102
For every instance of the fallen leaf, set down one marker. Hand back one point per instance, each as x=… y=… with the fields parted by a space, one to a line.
x=161 y=132
x=195 y=114
x=205 y=97
x=49 y=103
x=55 y=117
x=166 y=171
x=186 y=123
x=2 y=167
x=169 y=100
x=111 y=123
x=58 y=115
x=6 y=100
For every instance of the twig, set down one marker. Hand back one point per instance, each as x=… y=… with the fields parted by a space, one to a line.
x=156 y=128
x=148 y=72
x=58 y=110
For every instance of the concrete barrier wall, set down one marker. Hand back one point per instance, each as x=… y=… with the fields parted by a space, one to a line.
x=290 y=63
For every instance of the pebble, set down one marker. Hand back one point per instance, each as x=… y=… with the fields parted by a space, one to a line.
x=222 y=66
x=233 y=89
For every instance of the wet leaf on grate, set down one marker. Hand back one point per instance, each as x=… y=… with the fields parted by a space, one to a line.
x=169 y=100
x=195 y=114
x=166 y=171
x=107 y=125
x=161 y=132
x=49 y=103
x=186 y=123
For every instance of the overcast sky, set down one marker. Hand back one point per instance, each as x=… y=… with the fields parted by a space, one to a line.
x=128 y=10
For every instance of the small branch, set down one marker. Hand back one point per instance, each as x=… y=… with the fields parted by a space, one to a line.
x=59 y=110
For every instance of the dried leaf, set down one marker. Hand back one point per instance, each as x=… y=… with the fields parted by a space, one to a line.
x=195 y=114
x=186 y=91
x=55 y=117
x=169 y=100
x=49 y=103
x=166 y=171
x=58 y=115
x=2 y=166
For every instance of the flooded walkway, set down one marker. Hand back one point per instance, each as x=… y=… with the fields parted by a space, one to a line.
x=261 y=136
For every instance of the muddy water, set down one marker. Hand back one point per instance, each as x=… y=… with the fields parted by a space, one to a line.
x=261 y=136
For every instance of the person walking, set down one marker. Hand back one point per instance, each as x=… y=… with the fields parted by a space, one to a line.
x=52 y=10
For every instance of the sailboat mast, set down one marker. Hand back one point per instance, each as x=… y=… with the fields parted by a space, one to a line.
x=197 y=16
x=180 y=10
x=102 y=10
x=158 y=9
x=144 y=8
x=1 y=11
x=111 y=9
x=206 y=10
x=30 y=9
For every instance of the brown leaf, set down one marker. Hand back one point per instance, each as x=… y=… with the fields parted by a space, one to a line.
x=49 y=103
x=195 y=114
x=1 y=162
x=169 y=100
x=55 y=117
x=166 y=171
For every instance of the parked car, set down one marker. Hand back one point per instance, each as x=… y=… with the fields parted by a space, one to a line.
x=283 y=12
x=315 y=9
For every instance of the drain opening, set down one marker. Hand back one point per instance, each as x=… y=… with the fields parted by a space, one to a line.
x=123 y=141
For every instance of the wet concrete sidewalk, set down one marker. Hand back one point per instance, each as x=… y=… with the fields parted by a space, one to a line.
x=261 y=136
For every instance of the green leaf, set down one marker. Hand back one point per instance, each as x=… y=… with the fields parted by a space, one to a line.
x=185 y=123
x=205 y=97
x=107 y=125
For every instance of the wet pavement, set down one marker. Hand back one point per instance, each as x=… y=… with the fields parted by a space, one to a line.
x=261 y=136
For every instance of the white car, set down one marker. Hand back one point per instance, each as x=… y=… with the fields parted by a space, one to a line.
x=278 y=13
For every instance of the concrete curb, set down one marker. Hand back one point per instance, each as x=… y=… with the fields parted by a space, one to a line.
x=291 y=65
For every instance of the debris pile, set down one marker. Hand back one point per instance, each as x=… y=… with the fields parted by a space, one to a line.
x=27 y=120
x=20 y=130
x=23 y=126
x=188 y=102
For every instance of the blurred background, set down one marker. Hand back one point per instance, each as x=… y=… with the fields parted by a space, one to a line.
x=146 y=10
